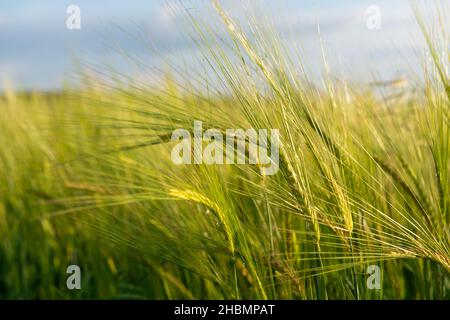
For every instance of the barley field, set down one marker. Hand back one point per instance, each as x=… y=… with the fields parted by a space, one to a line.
x=358 y=208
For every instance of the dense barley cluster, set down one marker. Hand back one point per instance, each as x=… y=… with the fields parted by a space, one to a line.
x=87 y=178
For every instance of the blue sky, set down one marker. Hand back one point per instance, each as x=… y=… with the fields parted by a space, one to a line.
x=37 y=51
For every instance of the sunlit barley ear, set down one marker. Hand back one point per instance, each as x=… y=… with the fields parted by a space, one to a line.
x=73 y=21
x=346 y=200
x=373 y=20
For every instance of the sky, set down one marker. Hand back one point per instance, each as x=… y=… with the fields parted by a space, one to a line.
x=39 y=52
